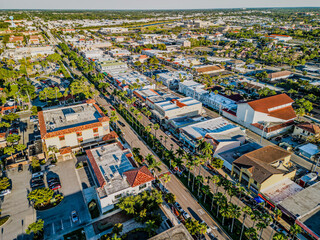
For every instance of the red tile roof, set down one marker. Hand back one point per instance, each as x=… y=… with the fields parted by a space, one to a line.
x=136 y=177
x=312 y=128
x=112 y=135
x=65 y=150
x=263 y=104
x=95 y=167
x=286 y=113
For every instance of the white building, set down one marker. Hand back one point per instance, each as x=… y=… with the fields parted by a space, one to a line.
x=219 y=132
x=280 y=38
x=193 y=89
x=111 y=65
x=113 y=30
x=268 y=116
x=177 y=108
x=119 y=52
x=74 y=127
x=92 y=53
x=116 y=174
x=172 y=79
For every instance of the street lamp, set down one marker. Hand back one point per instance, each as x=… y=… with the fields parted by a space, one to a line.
x=265 y=126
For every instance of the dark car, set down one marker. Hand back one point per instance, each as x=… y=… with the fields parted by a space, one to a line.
x=20 y=167
x=121 y=124
x=55 y=179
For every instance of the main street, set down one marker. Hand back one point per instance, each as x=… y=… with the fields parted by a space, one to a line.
x=183 y=196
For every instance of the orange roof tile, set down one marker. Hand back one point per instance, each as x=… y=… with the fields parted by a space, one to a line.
x=136 y=177
x=286 y=113
x=263 y=104
x=110 y=136
x=65 y=150
x=95 y=167
x=312 y=128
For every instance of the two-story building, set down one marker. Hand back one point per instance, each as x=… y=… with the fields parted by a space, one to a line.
x=305 y=130
x=116 y=174
x=73 y=127
x=263 y=167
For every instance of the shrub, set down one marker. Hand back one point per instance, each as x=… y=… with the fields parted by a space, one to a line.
x=3 y=220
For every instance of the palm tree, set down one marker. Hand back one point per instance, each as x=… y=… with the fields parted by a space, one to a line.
x=225 y=212
x=235 y=212
x=156 y=127
x=206 y=190
x=255 y=216
x=231 y=192
x=166 y=178
x=247 y=211
x=215 y=179
x=260 y=226
x=189 y=166
x=150 y=226
x=199 y=180
x=279 y=236
x=251 y=233
x=221 y=200
x=180 y=152
x=295 y=230
x=277 y=213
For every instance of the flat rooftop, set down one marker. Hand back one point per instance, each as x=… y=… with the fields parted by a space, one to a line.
x=235 y=153
x=112 y=161
x=170 y=105
x=70 y=116
x=216 y=125
x=162 y=98
x=178 y=232
x=281 y=190
x=312 y=221
x=180 y=122
x=304 y=202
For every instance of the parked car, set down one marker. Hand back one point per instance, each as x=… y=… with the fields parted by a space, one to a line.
x=208 y=228
x=55 y=186
x=186 y=215
x=37 y=174
x=5 y=192
x=50 y=166
x=178 y=207
x=74 y=216
x=121 y=124
x=20 y=167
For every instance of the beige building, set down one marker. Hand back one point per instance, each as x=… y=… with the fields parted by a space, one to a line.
x=304 y=130
x=263 y=167
x=72 y=128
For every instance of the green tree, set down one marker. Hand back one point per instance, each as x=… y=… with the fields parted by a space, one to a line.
x=295 y=230
x=251 y=233
x=36 y=228
x=21 y=147
x=150 y=227
x=247 y=211
x=166 y=178
x=12 y=138
x=117 y=228
x=171 y=198
x=260 y=226
x=4 y=183
x=279 y=236
x=41 y=196
x=9 y=150
x=10 y=117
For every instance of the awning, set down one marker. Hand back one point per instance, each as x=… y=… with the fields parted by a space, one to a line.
x=259 y=200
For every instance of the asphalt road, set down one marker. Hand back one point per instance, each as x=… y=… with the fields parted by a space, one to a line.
x=183 y=196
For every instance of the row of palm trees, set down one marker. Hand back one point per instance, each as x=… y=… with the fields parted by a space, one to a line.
x=204 y=151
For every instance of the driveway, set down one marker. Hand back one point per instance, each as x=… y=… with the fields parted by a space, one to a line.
x=17 y=206
x=57 y=220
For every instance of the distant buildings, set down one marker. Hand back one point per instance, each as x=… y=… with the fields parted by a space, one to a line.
x=113 y=30
x=172 y=79
x=116 y=174
x=280 y=38
x=279 y=75
x=201 y=70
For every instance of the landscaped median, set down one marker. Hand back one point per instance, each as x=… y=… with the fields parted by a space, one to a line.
x=4 y=219
x=224 y=212
x=44 y=198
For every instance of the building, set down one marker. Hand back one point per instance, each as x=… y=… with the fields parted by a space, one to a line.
x=263 y=167
x=183 y=42
x=266 y=116
x=92 y=53
x=309 y=150
x=172 y=79
x=152 y=100
x=119 y=52
x=177 y=232
x=15 y=39
x=187 y=106
x=201 y=70
x=145 y=93
x=111 y=65
x=72 y=128
x=116 y=174
x=219 y=132
x=113 y=30
x=304 y=209
x=279 y=75
x=305 y=130
x=280 y=38
x=193 y=89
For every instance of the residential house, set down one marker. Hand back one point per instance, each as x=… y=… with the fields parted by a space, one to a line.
x=305 y=130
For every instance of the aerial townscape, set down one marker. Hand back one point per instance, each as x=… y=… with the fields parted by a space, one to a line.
x=160 y=124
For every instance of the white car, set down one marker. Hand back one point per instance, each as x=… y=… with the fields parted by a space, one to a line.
x=208 y=228
x=186 y=215
x=74 y=216
x=38 y=174
x=5 y=192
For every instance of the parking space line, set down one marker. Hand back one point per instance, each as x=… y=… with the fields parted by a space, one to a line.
x=53 y=232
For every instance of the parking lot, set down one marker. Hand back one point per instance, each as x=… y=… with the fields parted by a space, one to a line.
x=58 y=219
x=17 y=206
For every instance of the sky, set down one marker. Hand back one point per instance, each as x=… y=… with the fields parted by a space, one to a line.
x=152 y=4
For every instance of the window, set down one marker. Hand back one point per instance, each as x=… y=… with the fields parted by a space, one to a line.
x=95 y=130
x=61 y=138
x=96 y=136
x=80 y=140
x=118 y=196
x=79 y=134
x=142 y=186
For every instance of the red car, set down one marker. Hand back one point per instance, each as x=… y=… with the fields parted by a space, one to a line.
x=55 y=187
x=112 y=108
